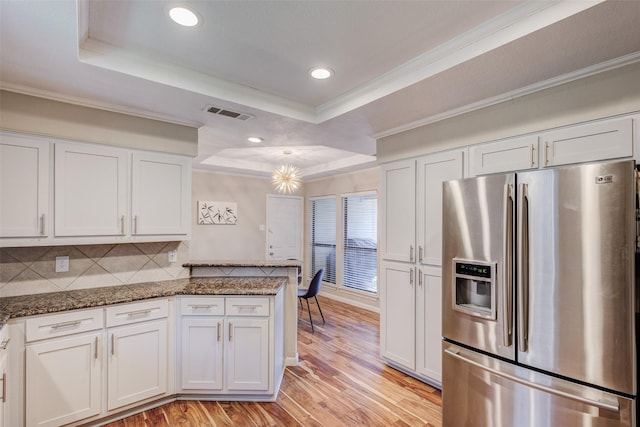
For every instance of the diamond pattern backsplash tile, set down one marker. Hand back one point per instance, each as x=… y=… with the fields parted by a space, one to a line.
x=26 y=271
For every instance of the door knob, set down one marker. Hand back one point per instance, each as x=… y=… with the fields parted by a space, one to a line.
x=271 y=253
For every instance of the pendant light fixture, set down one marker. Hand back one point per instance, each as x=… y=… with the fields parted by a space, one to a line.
x=286 y=178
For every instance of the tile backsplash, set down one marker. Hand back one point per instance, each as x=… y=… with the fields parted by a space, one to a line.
x=31 y=270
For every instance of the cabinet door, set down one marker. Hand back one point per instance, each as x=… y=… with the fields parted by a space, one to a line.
x=160 y=194
x=201 y=347
x=90 y=190
x=429 y=324
x=63 y=381
x=398 y=314
x=433 y=170
x=24 y=187
x=247 y=353
x=397 y=211
x=609 y=139
x=138 y=365
x=504 y=156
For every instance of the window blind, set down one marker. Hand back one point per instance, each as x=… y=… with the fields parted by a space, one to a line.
x=323 y=237
x=360 y=242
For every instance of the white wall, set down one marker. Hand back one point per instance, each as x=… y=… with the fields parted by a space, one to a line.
x=243 y=241
x=46 y=117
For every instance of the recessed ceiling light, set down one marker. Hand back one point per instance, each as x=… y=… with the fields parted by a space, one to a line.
x=255 y=139
x=183 y=16
x=321 y=73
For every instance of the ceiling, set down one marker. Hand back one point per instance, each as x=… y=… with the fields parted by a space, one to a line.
x=397 y=64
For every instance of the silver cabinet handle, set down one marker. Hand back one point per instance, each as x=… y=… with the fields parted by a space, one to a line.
x=202 y=306
x=546 y=153
x=135 y=224
x=66 y=324
x=42 y=225
x=411 y=258
x=411 y=276
x=95 y=356
x=419 y=277
x=420 y=254
x=139 y=313
x=122 y=225
x=507 y=253
x=597 y=403
x=246 y=306
x=230 y=331
x=533 y=151
x=4 y=387
x=113 y=344
x=218 y=330
x=4 y=344
x=523 y=267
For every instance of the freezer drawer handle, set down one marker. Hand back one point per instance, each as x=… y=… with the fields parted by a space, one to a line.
x=597 y=403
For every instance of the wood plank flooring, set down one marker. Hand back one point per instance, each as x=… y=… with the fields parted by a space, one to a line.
x=340 y=381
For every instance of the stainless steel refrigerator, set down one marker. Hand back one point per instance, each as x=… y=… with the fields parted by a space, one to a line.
x=539 y=298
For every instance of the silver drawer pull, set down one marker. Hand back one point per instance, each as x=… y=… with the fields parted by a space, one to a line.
x=4 y=344
x=66 y=324
x=246 y=307
x=202 y=306
x=139 y=313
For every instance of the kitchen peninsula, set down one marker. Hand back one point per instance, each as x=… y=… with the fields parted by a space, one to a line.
x=89 y=355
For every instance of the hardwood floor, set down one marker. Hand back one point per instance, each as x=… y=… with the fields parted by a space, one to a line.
x=340 y=381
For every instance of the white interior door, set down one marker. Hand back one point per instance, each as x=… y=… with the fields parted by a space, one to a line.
x=284 y=227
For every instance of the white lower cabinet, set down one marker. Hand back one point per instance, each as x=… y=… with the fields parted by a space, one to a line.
x=398 y=313
x=69 y=367
x=63 y=374
x=429 y=324
x=63 y=380
x=247 y=351
x=137 y=367
x=230 y=345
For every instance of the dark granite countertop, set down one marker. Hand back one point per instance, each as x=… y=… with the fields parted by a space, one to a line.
x=53 y=302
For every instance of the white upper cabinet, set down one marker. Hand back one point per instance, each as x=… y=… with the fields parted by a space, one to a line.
x=397 y=211
x=90 y=190
x=64 y=193
x=24 y=187
x=604 y=140
x=433 y=170
x=160 y=194
x=504 y=156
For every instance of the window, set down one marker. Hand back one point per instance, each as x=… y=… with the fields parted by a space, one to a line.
x=323 y=237
x=360 y=240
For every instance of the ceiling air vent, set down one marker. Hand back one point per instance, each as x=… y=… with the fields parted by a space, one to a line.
x=227 y=113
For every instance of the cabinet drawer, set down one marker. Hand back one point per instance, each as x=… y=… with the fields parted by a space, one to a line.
x=196 y=306
x=67 y=323
x=137 y=312
x=247 y=306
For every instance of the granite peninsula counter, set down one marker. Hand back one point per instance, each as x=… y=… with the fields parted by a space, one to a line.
x=53 y=302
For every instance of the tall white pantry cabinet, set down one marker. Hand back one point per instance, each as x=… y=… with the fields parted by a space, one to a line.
x=410 y=260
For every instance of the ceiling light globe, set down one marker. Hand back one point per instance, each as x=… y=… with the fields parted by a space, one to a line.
x=183 y=16
x=321 y=73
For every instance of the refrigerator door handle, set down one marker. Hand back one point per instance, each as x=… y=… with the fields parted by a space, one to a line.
x=523 y=267
x=609 y=406
x=507 y=289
